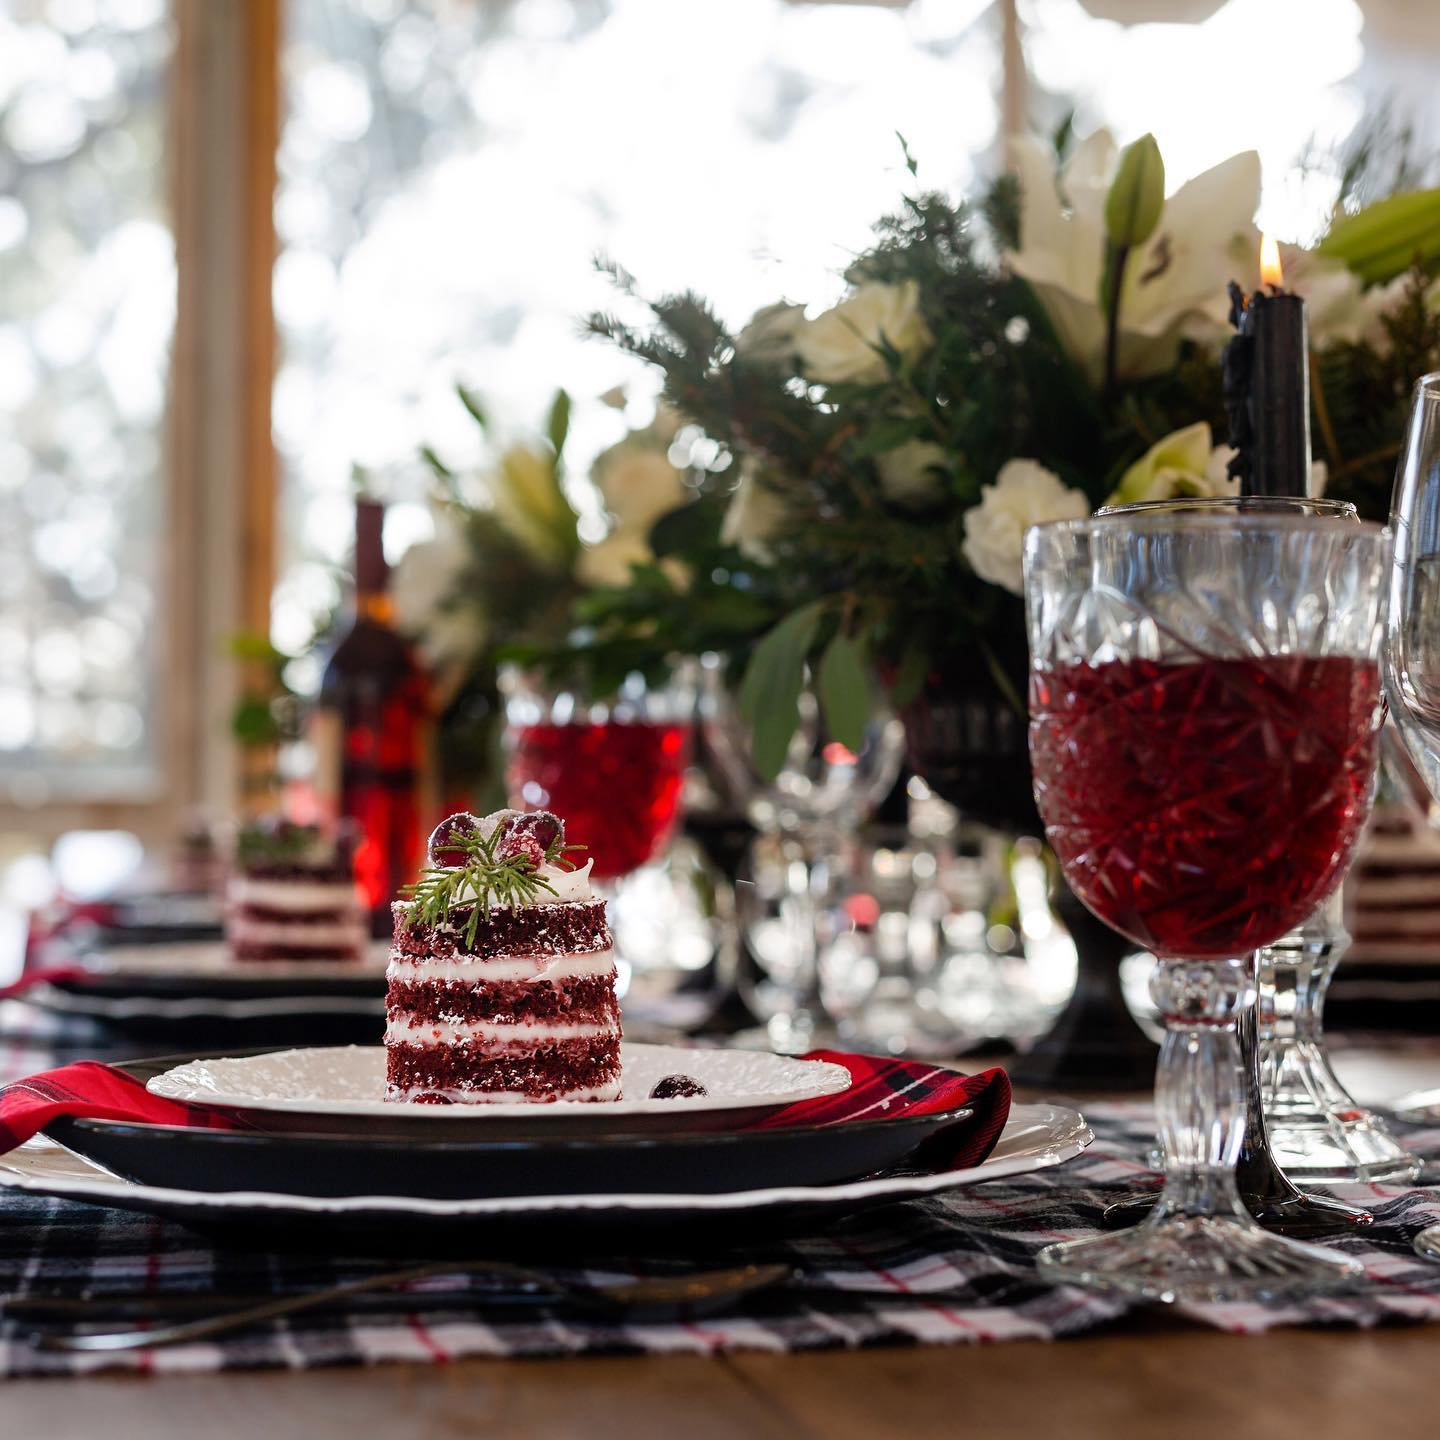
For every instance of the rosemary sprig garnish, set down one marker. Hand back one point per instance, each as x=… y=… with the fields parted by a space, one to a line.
x=487 y=879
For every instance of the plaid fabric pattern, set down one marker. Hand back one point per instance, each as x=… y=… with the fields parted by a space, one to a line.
x=939 y=1271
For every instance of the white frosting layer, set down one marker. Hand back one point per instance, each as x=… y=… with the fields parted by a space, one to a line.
x=608 y=1091
x=409 y=970
x=429 y=1034
x=349 y=934
x=294 y=897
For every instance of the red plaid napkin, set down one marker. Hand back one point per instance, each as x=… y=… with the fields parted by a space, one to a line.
x=99 y=1092
x=881 y=1089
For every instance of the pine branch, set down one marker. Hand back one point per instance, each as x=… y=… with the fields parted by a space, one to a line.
x=486 y=880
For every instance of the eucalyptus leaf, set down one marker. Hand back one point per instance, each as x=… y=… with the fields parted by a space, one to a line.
x=471 y=401
x=1137 y=194
x=1384 y=239
x=844 y=681
x=558 y=425
x=770 y=692
x=910 y=678
x=428 y=455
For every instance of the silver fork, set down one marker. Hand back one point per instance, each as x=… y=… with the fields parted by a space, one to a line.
x=703 y=1289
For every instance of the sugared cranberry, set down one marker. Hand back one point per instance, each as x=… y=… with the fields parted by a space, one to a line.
x=677 y=1087
x=442 y=848
x=522 y=834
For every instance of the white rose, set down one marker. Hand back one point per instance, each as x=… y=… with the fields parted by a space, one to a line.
x=426 y=578
x=753 y=517
x=1025 y=493
x=841 y=345
x=771 y=336
x=908 y=474
x=639 y=485
x=609 y=562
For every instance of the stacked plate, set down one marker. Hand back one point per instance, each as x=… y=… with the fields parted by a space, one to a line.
x=317 y=1153
x=171 y=990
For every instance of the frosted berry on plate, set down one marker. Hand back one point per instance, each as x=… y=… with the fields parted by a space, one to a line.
x=291 y=896
x=501 y=982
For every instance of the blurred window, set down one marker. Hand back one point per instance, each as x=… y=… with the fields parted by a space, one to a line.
x=87 y=302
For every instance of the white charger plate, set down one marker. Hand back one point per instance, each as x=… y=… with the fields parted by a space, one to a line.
x=317 y=1088
x=1035 y=1137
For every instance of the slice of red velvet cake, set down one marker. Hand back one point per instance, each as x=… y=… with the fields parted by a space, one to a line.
x=291 y=896
x=502 y=975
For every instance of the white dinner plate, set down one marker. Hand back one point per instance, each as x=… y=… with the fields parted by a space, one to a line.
x=315 y=1088
x=211 y=960
x=1035 y=1137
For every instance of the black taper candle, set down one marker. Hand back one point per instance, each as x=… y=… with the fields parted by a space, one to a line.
x=1266 y=370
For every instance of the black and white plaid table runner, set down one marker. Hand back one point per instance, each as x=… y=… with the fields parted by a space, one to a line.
x=947 y=1269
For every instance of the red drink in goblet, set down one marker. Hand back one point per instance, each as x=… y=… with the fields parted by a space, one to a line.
x=1205 y=702
x=1204 y=807
x=616 y=782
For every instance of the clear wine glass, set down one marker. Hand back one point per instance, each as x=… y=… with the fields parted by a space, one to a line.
x=1412 y=641
x=1301 y=1123
x=806 y=817
x=612 y=767
x=1205 y=705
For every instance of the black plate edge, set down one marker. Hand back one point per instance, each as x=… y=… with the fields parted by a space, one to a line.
x=930 y=1120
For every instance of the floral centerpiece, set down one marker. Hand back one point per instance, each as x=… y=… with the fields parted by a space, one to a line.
x=1025 y=357
x=507 y=567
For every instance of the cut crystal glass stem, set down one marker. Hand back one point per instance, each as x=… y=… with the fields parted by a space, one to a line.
x=1318 y=1133
x=1199 y=1243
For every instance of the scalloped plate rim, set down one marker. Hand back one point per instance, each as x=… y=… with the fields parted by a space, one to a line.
x=822 y=1077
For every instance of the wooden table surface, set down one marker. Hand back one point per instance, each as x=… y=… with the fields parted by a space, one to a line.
x=1157 y=1377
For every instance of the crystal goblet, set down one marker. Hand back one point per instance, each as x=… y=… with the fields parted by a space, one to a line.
x=1205 y=706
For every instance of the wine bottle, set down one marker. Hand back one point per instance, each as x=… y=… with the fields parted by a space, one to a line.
x=372 y=733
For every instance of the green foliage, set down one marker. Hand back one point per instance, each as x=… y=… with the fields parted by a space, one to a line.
x=486 y=879
x=856 y=579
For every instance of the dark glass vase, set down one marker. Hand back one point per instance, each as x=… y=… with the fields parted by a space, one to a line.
x=966 y=740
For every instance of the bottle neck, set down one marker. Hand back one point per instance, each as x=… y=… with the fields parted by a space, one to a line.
x=372 y=574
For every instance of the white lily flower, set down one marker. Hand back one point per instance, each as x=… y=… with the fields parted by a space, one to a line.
x=1173 y=287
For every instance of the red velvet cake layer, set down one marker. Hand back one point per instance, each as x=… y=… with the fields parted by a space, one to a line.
x=588 y=1000
x=539 y=1072
x=576 y=927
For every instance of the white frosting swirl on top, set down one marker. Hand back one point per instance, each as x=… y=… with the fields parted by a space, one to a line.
x=568 y=885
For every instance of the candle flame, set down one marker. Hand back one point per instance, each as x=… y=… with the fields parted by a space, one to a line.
x=1271 y=271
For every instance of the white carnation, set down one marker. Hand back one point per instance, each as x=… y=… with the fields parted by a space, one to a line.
x=909 y=474
x=753 y=516
x=771 y=336
x=1025 y=493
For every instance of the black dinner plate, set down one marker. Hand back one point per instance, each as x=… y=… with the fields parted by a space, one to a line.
x=319 y=1165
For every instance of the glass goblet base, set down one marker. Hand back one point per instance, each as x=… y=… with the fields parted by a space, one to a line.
x=1178 y=1258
